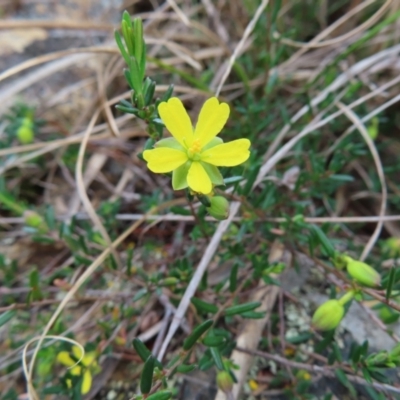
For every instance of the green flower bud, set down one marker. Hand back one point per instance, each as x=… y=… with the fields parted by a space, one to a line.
x=25 y=132
x=224 y=381
x=339 y=261
x=171 y=280
x=378 y=359
x=34 y=220
x=363 y=273
x=328 y=315
x=219 y=208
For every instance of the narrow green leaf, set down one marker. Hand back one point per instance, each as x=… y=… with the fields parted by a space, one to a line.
x=138 y=39
x=121 y=46
x=143 y=352
x=135 y=76
x=191 y=340
x=149 y=93
x=184 y=368
x=5 y=317
x=140 y=294
x=217 y=358
x=253 y=315
x=204 y=306
x=233 y=278
x=146 y=379
x=319 y=234
x=161 y=395
x=168 y=93
x=241 y=308
x=214 y=341
x=128 y=110
x=127 y=75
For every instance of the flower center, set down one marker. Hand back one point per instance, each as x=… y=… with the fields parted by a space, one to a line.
x=194 y=150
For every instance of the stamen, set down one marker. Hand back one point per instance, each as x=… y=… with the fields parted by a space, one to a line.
x=196 y=147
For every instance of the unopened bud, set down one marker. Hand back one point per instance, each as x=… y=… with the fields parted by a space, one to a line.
x=34 y=220
x=219 y=208
x=363 y=273
x=328 y=315
x=224 y=381
x=25 y=132
x=171 y=280
x=378 y=359
x=339 y=260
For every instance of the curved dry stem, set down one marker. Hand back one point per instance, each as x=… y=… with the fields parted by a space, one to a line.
x=38 y=338
x=379 y=168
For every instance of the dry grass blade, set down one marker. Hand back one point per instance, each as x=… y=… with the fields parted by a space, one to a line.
x=315 y=43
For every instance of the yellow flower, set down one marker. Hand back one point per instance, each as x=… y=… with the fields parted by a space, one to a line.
x=193 y=155
x=88 y=362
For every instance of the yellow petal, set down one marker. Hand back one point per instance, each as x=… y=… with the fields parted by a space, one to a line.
x=77 y=352
x=164 y=159
x=212 y=118
x=228 y=154
x=64 y=358
x=87 y=382
x=76 y=370
x=89 y=359
x=198 y=180
x=177 y=120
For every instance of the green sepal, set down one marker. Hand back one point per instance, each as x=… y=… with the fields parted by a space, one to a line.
x=191 y=340
x=146 y=379
x=213 y=172
x=212 y=143
x=204 y=200
x=150 y=142
x=170 y=142
x=179 y=176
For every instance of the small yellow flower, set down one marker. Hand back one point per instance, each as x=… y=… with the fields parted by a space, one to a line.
x=253 y=385
x=88 y=362
x=193 y=155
